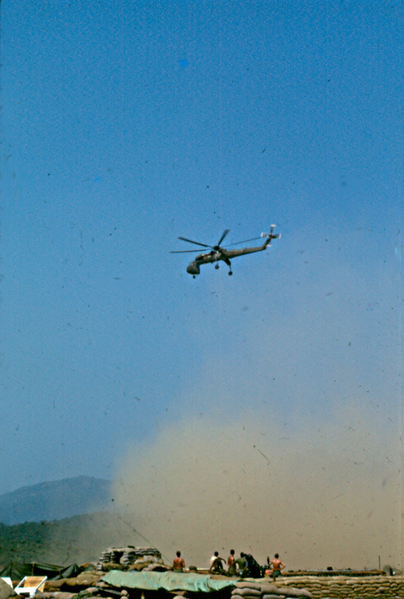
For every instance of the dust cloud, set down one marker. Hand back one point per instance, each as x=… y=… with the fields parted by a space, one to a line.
x=291 y=448
x=319 y=494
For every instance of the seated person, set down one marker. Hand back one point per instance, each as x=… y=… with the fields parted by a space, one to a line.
x=277 y=566
x=178 y=563
x=241 y=565
x=216 y=564
x=231 y=564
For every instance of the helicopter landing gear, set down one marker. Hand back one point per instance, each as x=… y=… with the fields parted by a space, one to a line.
x=193 y=276
x=229 y=265
x=216 y=266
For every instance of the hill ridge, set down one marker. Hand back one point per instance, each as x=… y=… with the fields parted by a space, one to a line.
x=56 y=500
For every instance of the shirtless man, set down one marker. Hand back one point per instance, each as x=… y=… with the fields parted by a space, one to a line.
x=178 y=563
x=231 y=564
x=277 y=566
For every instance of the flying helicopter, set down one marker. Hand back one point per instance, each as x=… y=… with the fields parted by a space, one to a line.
x=218 y=253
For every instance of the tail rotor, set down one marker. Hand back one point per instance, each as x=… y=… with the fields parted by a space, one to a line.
x=271 y=235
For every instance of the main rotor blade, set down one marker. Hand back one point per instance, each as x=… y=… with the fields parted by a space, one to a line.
x=223 y=236
x=183 y=251
x=245 y=241
x=195 y=242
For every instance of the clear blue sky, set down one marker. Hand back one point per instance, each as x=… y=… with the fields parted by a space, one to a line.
x=127 y=124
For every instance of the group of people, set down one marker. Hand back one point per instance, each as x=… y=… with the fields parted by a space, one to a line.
x=243 y=566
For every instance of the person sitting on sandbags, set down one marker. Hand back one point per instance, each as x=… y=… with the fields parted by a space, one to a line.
x=241 y=565
x=216 y=564
x=277 y=566
x=231 y=564
x=178 y=563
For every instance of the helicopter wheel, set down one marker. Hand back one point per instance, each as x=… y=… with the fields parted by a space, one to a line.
x=230 y=273
x=216 y=266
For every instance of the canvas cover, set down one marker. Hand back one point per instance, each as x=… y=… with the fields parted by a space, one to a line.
x=169 y=581
x=17 y=571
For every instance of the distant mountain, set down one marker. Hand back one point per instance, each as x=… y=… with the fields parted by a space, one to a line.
x=56 y=500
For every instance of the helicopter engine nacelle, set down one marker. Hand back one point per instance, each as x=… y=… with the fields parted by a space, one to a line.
x=193 y=268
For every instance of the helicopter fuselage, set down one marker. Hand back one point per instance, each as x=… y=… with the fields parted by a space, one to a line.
x=193 y=267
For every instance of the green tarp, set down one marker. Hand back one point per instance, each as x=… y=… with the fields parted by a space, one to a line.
x=169 y=581
x=17 y=570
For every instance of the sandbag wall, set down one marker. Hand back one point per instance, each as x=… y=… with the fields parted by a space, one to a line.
x=348 y=587
x=266 y=590
x=128 y=556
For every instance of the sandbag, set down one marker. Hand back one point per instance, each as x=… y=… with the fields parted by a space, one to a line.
x=293 y=592
x=273 y=596
x=5 y=590
x=250 y=591
x=88 y=593
x=304 y=593
x=51 y=585
x=236 y=596
x=249 y=585
x=90 y=577
x=269 y=589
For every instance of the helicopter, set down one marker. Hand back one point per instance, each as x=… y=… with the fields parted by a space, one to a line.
x=218 y=253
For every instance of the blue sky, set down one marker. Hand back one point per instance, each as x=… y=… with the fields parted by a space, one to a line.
x=127 y=124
